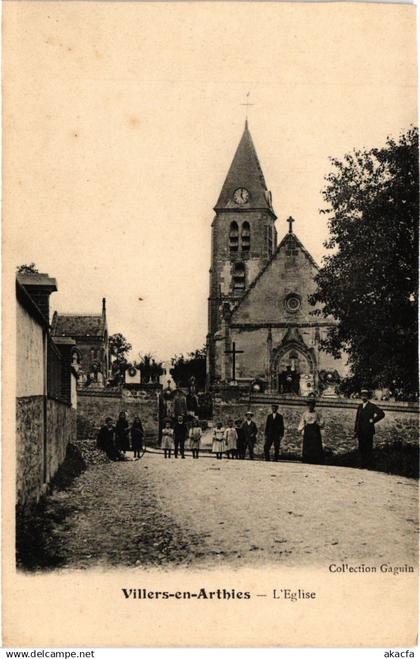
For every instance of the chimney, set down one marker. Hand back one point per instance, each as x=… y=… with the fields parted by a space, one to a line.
x=39 y=286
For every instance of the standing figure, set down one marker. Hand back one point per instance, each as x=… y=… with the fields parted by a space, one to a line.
x=364 y=428
x=218 y=444
x=231 y=440
x=137 y=434
x=240 y=452
x=249 y=430
x=167 y=439
x=288 y=379
x=180 y=435
x=179 y=404
x=192 y=403
x=106 y=440
x=195 y=438
x=310 y=425
x=121 y=431
x=274 y=431
x=167 y=402
x=192 y=398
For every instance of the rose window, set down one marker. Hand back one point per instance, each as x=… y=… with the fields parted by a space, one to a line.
x=292 y=303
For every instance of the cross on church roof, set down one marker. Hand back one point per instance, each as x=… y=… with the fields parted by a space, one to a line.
x=233 y=352
x=247 y=105
x=290 y=220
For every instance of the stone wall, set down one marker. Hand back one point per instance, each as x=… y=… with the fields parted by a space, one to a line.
x=30 y=352
x=61 y=429
x=36 y=463
x=45 y=419
x=94 y=406
x=29 y=448
x=400 y=423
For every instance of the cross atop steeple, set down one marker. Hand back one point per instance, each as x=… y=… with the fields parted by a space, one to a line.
x=290 y=220
x=247 y=104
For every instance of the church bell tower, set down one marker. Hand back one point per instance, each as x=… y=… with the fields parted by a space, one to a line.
x=244 y=238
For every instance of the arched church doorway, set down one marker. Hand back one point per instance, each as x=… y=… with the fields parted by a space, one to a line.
x=294 y=370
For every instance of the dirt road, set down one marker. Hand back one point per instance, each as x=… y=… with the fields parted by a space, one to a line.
x=209 y=513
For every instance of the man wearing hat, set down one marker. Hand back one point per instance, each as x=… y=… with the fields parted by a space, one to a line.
x=364 y=428
x=274 y=431
x=249 y=434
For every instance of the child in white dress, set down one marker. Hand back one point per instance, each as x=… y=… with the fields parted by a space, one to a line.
x=195 y=438
x=231 y=440
x=218 y=445
x=167 y=439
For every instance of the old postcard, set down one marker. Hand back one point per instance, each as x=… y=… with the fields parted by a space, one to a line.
x=210 y=379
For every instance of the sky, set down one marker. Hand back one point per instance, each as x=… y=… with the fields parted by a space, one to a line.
x=121 y=121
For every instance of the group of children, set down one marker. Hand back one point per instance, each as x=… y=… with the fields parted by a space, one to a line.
x=175 y=435
x=225 y=440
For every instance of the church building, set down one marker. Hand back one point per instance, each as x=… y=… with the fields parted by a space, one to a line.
x=90 y=355
x=260 y=323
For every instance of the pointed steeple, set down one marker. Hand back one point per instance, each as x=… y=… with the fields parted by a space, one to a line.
x=245 y=173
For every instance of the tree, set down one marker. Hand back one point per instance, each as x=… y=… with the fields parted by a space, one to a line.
x=150 y=369
x=186 y=366
x=119 y=348
x=369 y=283
x=27 y=269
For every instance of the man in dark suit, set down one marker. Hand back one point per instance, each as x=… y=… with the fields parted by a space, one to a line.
x=180 y=435
x=274 y=431
x=364 y=428
x=240 y=453
x=249 y=434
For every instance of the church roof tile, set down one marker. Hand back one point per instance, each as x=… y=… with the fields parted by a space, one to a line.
x=78 y=325
x=245 y=172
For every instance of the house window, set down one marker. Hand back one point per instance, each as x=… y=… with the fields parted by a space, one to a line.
x=238 y=278
x=233 y=237
x=246 y=237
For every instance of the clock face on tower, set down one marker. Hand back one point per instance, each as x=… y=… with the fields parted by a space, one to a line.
x=241 y=196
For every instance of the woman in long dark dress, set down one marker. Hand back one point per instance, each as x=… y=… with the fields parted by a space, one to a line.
x=310 y=425
x=137 y=435
x=106 y=439
x=121 y=432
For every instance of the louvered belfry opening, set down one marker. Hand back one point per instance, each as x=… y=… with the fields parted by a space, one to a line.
x=246 y=237
x=238 y=278
x=233 y=237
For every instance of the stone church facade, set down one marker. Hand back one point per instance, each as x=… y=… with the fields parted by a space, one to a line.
x=260 y=325
x=90 y=355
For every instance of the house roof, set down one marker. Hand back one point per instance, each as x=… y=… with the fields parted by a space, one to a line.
x=245 y=172
x=29 y=304
x=78 y=325
x=37 y=279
